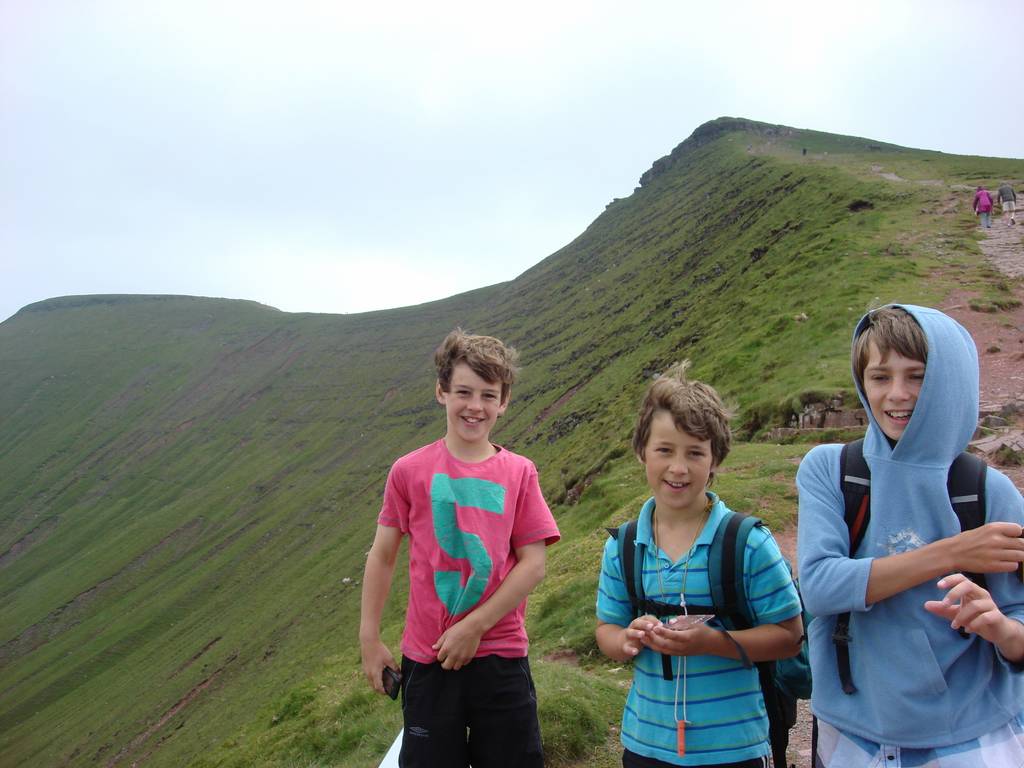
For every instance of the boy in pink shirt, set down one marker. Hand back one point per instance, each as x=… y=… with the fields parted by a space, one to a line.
x=478 y=527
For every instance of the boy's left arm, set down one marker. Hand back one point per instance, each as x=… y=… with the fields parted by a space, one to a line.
x=972 y=607
x=457 y=646
x=995 y=614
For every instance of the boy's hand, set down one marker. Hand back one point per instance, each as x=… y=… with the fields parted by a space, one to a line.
x=634 y=637
x=694 y=640
x=457 y=646
x=970 y=606
x=990 y=548
x=376 y=656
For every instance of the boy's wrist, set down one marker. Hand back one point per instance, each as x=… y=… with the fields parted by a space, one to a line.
x=940 y=558
x=474 y=622
x=369 y=636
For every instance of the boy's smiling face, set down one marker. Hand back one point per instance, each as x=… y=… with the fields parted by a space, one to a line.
x=892 y=385
x=678 y=467
x=472 y=406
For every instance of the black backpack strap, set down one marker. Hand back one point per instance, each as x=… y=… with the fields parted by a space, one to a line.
x=966 y=486
x=729 y=596
x=730 y=576
x=725 y=575
x=632 y=558
x=628 y=556
x=725 y=569
x=855 y=483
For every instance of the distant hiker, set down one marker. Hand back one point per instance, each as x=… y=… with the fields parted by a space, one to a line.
x=696 y=697
x=983 y=207
x=478 y=527
x=929 y=670
x=1008 y=201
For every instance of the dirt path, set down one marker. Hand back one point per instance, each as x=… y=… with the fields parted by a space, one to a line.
x=999 y=336
x=1003 y=245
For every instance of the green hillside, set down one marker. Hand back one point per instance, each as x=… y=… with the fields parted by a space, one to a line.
x=188 y=486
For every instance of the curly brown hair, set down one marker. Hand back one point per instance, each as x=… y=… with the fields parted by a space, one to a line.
x=696 y=409
x=488 y=357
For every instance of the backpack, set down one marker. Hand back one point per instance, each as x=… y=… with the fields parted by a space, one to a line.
x=783 y=681
x=966 y=486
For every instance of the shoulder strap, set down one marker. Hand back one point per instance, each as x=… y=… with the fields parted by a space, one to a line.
x=628 y=556
x=966 y=486
x=729 y=596
x=725 y=568
x=632 y=558
x=631 y=555
x=855 y=483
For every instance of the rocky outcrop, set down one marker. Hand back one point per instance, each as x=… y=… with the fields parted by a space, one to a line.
x=707 y=133
x=828 y=415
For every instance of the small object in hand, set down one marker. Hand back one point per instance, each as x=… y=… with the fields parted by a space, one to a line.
x=689 y=620
x=392 y=682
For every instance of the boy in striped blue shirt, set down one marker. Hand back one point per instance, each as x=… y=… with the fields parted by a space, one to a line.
x=711 y=711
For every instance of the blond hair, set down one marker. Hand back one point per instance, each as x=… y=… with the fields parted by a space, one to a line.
x=486 y=356
x=696 y=409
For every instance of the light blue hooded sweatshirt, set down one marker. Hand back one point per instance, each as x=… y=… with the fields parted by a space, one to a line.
x=919 y=683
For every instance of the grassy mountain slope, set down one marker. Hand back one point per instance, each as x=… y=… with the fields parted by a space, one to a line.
x=188 y=486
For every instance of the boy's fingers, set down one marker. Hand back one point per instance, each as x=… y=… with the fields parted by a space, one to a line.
x=948 y=582
x=1013 y=530
x=941 y=609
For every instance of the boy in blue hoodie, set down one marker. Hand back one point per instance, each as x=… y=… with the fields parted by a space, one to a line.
x=927 y=693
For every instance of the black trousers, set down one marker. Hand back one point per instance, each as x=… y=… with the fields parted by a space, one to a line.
x=484 y=714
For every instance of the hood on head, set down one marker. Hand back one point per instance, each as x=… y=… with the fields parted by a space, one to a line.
x=946 y=413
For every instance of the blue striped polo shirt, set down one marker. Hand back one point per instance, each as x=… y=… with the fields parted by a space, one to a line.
x=725 y=709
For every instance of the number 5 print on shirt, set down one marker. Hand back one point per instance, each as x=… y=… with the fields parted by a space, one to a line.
x=445 y=493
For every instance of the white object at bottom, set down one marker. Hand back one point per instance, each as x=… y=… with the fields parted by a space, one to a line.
x=391 y=758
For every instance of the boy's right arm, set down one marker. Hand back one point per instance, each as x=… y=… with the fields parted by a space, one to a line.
x=991 y=548
x=832 y=582
x=380 y=567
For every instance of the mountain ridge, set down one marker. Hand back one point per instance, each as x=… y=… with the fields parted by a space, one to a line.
x=187 y=483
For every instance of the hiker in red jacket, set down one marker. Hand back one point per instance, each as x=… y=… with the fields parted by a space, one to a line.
x=983 y=207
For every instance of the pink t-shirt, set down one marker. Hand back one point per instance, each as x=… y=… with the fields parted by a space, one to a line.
x=464 y=522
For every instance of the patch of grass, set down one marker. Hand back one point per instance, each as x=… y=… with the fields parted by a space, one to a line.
x=295 y=704
x=577 y=712
x=1008 y=457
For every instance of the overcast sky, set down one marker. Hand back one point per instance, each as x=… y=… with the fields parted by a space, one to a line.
x=343 y=156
